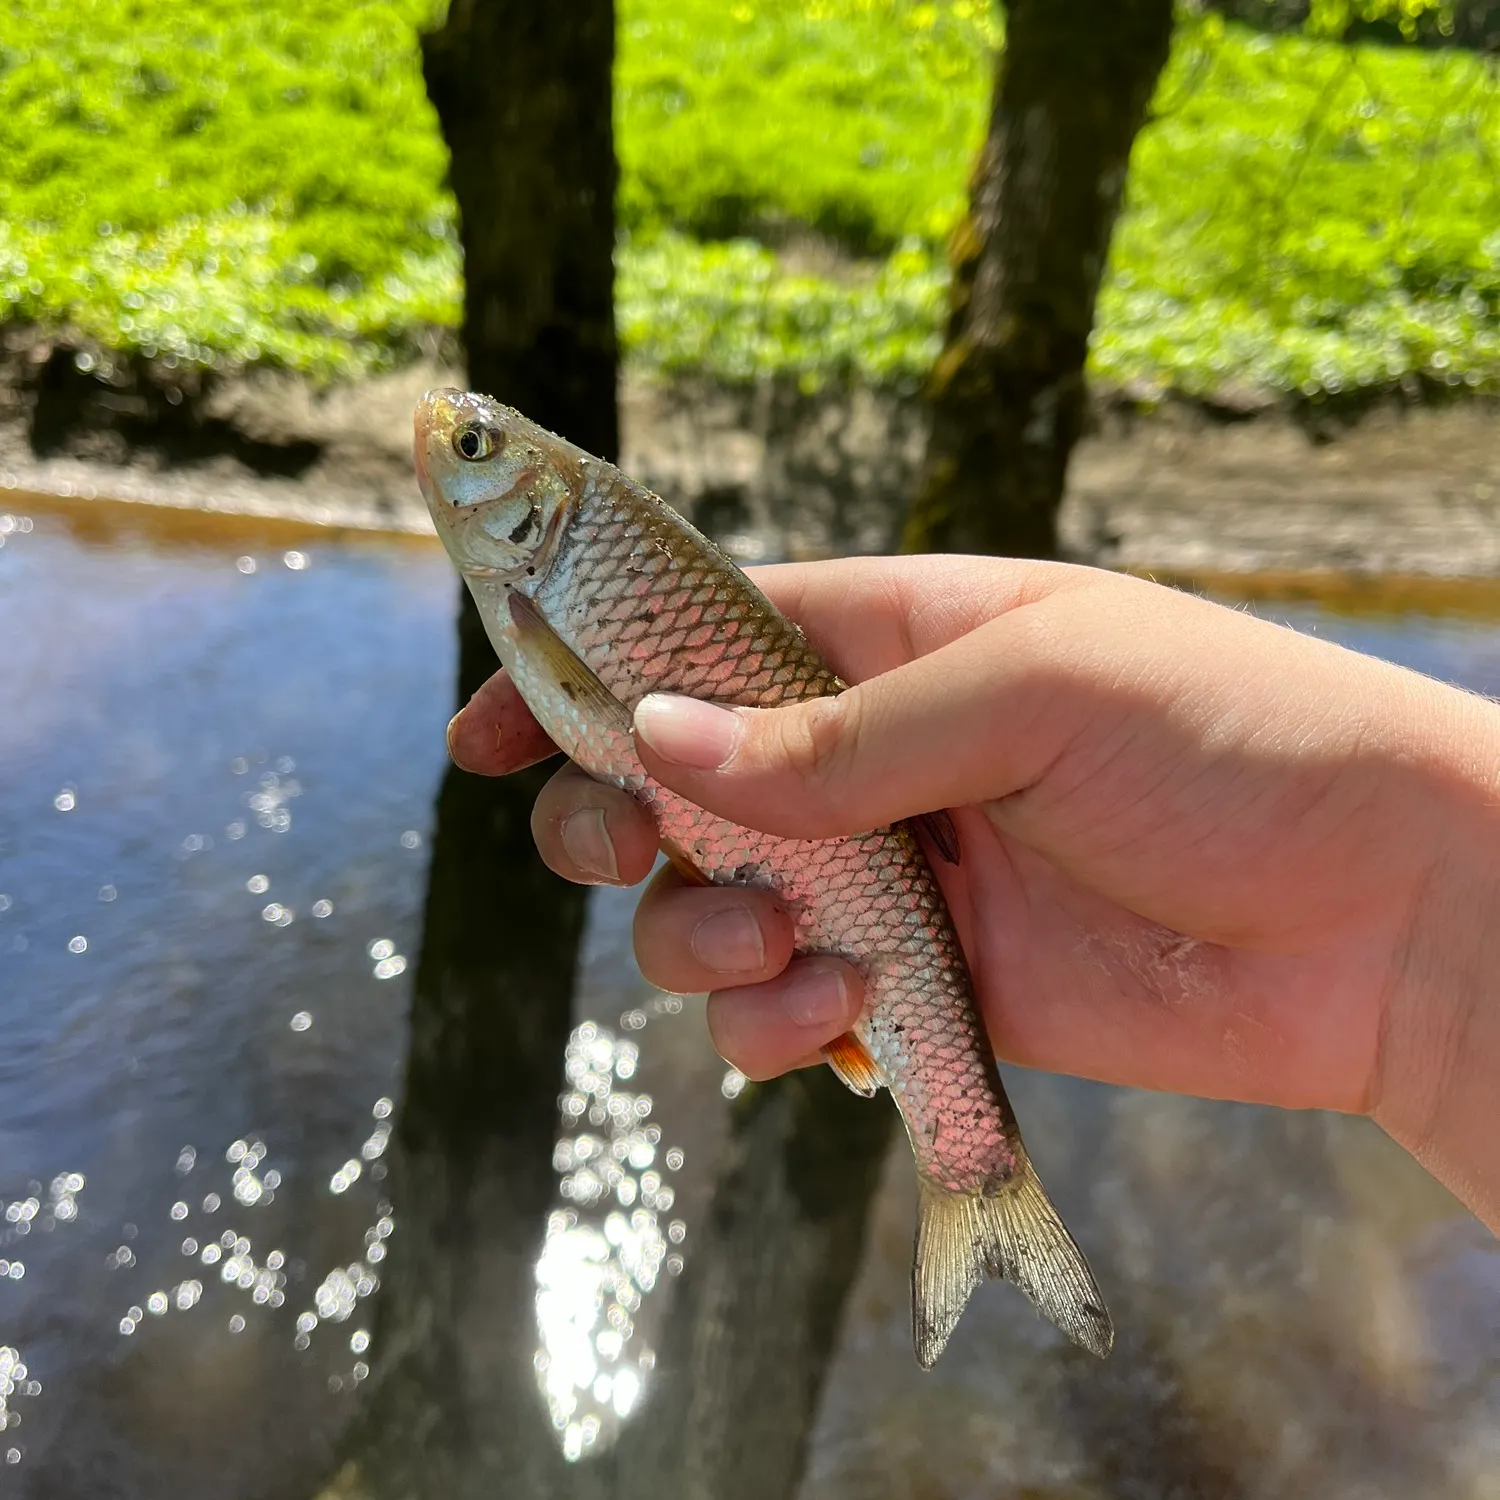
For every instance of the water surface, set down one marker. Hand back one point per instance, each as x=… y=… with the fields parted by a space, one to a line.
x=219 y=747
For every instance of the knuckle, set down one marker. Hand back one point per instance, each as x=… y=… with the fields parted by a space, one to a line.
x=804 y=766
x=826 y=738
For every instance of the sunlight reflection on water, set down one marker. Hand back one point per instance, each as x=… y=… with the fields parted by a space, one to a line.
x=21 y=1217
x=230 y=1260
x=207 y=782
x=605 y=1252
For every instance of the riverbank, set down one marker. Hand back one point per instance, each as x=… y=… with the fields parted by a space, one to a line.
x=1405 y=490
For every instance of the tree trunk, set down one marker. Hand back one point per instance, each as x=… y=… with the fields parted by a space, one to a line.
x=1007 y=394
x=523 y=92
x=452 y=1410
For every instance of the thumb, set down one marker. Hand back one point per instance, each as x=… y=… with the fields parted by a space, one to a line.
x=977 y=719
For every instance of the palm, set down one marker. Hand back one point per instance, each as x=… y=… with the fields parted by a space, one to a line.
x=1065 y=973
x=1179 y=953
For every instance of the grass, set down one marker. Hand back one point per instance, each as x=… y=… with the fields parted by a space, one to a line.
x=854 y=118
x=220 y=182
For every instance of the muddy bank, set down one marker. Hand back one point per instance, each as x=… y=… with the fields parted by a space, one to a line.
x=773 y=472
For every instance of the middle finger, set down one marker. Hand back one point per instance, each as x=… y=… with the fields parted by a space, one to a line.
x=591 y=833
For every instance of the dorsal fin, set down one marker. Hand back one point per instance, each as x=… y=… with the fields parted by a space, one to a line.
x=942 y=832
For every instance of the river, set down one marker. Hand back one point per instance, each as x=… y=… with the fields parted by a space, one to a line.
x=220 y=741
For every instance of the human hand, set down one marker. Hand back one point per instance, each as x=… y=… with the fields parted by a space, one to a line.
x=1200 y=852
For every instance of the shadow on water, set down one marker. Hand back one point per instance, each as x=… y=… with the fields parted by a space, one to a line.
x=456 y=1400
x=221 y=743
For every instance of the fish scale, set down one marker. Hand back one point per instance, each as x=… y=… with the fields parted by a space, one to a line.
x=596 y=593
x=843 y=894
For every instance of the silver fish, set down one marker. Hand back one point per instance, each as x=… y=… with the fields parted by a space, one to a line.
x=595 y=593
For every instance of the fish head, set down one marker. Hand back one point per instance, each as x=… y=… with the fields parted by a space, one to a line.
x=499 y=487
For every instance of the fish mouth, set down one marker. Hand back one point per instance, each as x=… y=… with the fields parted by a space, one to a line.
x=441 y=400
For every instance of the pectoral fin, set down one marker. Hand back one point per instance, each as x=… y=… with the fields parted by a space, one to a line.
x=574 y=678
x=576 y=695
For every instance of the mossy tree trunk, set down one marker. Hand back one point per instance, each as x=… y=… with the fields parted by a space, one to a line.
x=1007 y=394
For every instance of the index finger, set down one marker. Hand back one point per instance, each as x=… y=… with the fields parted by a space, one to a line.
x=867 y=615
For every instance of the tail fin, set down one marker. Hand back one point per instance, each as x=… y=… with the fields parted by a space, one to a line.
x=1016 y=1234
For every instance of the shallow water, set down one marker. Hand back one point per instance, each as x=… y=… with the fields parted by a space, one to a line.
x=219 y=746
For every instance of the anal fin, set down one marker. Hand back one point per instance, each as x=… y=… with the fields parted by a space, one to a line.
x=847 y=1056
x=1014 y=1233
x=684 y=866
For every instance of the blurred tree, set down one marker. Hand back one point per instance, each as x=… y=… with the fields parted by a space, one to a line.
x=1007 y=394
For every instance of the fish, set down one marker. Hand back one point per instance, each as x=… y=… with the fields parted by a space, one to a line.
x=594 y=593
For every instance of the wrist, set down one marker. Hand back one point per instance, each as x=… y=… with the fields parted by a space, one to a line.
x=1439 y=1071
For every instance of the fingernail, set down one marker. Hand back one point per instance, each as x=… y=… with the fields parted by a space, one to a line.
x=687 y=732
x=452 y=749
x=816 y=996
x=586 y=839
x=729 y=942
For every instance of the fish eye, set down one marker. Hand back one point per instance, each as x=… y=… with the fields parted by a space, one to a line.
x=477 y=441
x=527 y=522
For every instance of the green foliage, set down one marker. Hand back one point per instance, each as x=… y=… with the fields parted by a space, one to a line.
x=1309 y=217
x=855 y=118
x=1333 y=18
x=734 y=310
x=222 y=181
